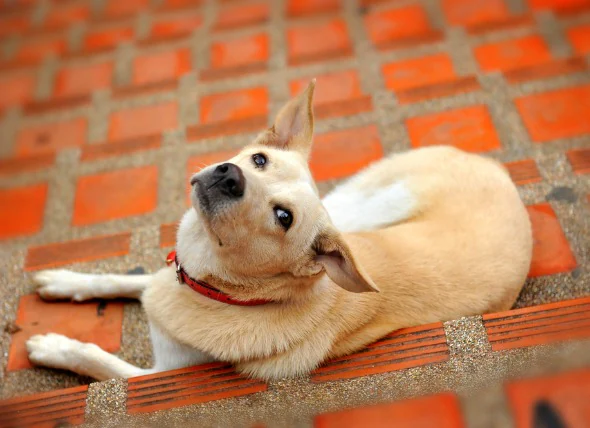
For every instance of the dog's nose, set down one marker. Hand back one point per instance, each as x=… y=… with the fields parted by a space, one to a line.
x=230 y=179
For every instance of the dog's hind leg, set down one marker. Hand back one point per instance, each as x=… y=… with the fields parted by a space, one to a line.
x=60 y=352
x=62 y=284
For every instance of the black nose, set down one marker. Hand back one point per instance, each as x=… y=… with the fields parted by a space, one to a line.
x=229 y=180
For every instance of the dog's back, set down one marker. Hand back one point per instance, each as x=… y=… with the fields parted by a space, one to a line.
x=445 y=223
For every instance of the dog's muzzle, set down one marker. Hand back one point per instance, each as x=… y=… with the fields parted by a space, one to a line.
x=225 y=182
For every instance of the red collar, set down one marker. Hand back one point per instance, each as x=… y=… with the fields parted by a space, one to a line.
x=207 y=290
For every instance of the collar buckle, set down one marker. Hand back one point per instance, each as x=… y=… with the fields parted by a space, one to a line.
x=179 y=274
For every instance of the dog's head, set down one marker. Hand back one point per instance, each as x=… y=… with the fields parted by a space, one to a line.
x=262 y=211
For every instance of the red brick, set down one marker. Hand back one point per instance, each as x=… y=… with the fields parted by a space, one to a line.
x=34 y=51
x=551 y=251
x=51 y=137
x=56 y=103
x=512 y=22
x=198 y=162
x=545 y=70
x=170 y=28
x=145 y=89
x=65 y=15
x=523 y=172
x=13 y=25
x=175 y=5
x=107 y=38
x=118 y=9
x=23 y=210
x=511 y=54
x=440 y=411
x=191 y=385
x=64 y=253
x=48 y=409
x=10 y=166
x=120 y=148
x=580 y=160
x=562 y=113
x=336 y=94
x=341 y=153
x=318 y=41
x=35 y=316
x=16 y=89
x=240 y=104
x=438 y=90
x=558 y=5
x=387 y=26
x=416 y=72
x=168 y=235
x=239 y=52
x=311 y=7
x=567 y=393
x=161 y=66
x=579 y=37
x=470 y=12
x=241 y=15
x=143 y=121
x=227 y=127
x=114 y=195
x=83 y=79
x=468 y=128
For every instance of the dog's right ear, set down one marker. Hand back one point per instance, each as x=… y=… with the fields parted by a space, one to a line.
x=293 y=127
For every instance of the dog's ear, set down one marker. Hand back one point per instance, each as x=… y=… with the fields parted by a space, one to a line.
x=334 y=254
x=293 y=127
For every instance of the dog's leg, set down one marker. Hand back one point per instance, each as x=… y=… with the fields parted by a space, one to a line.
x=65 y=284
x=60 y=352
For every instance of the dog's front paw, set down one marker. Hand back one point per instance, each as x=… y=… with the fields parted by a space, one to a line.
x=52 y=350
x=63 y=284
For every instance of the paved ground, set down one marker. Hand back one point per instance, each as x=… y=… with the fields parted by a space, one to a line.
x=108 y=106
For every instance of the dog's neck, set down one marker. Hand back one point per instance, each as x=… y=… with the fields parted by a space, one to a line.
x=198 y=259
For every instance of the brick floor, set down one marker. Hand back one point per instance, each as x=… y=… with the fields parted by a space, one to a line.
x=108 y=108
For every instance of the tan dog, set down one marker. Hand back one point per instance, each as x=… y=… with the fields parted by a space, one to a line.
x=432 y=234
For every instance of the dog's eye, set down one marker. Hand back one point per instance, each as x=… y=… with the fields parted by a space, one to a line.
x=259 y=160
x=285 y=217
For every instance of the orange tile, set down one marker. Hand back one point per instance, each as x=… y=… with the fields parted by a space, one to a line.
x=318 y=41
x=9 y=166
x=16 y=89
x=161 y=66
x=440 y=411
x=468 y=128
x=558 y=4
x=241 y=15
x=168 y=234
x=34 y=51
x=416 y=72
x=143 y=121
x=442 y=89
x=341 y=153
x=311 y=7
x=63 y=16
x=95 y=323
x=51 y=137
x=119 y=148
x=238 y=52
x=179 y=4
x=562 y=113
x=384 y=26
x=551 y=251
x=83 y=79
x=546 y=70
x=234 y=105
x=114 y=195
x=474 y=12
x=567 y=393
x=118 y=9
x=176 y=27
x=580 y=160
x=579 y=37
x=13 y=25
x=22 y=210
x=523 y=171
x=331 y=87
x=81 y=250
x=97 y=40
x=511 y=54
x=198 y=162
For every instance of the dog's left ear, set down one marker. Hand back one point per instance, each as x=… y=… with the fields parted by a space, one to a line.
x=334 y=254
x=293 y=127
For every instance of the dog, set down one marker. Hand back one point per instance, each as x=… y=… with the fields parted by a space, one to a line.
x=269 y=277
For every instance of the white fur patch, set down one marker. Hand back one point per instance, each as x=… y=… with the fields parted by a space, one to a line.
x=353 y=210
x=170 y=354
